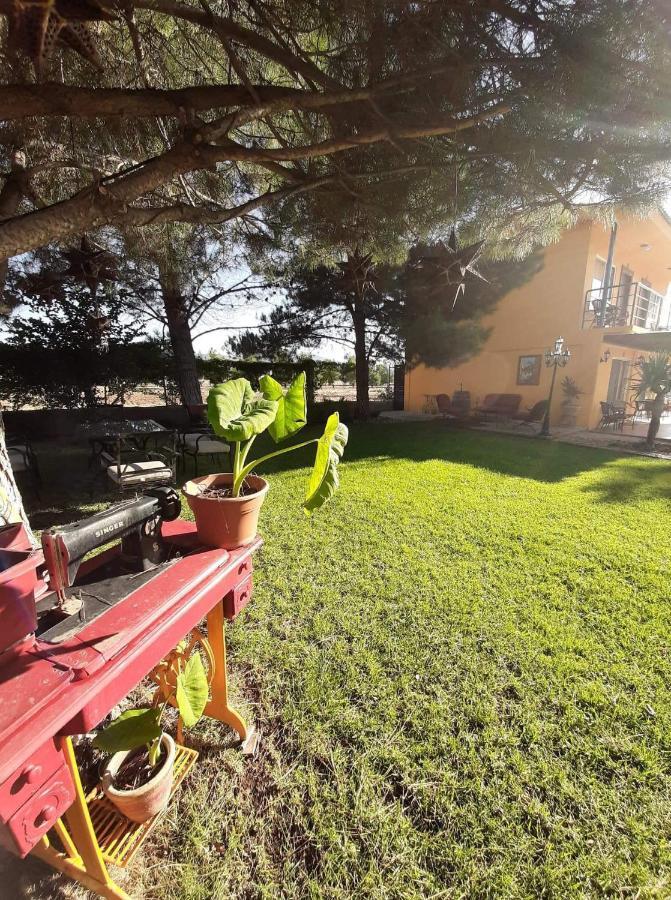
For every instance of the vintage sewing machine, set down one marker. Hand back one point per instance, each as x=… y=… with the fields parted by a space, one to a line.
x=76 y=635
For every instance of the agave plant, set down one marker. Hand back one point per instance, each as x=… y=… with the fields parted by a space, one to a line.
x=239 y=417
x=654 y=377
x=570 y=388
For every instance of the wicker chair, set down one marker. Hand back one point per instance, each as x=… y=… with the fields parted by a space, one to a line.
x=22 y=459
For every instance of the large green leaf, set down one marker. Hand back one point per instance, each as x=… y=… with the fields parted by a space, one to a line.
x=192 y=691
x=234 y=413
x=324 y=479
x=132 y=729
x=292 y=406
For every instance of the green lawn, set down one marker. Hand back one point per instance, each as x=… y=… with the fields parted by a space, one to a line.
x=461 y=669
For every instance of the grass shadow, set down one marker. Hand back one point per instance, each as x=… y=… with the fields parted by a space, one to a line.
x=633 y=480
x=32 y=879
x=520 y=456
x=66 y=495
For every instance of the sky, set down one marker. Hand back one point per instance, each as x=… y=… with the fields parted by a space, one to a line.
x=246 y=316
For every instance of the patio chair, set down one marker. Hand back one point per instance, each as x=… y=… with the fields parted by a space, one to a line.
x=158 y=467
x=507 y=405
x=444 y=405
x=641 y=408
x=488 y=404
x=624 y=417
x=530 y=416
x=610 y=416
x=500 y=406
x=196 y=444
x=22 y=459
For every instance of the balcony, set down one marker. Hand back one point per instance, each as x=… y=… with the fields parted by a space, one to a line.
x=626 y=305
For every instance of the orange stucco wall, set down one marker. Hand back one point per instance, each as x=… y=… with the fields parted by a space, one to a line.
x=529 y=318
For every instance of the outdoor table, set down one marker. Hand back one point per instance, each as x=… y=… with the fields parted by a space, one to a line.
x=102 y=436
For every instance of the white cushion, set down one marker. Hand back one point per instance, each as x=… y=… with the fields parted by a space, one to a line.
x=138 y=472
x=17 y=460
x=206 y=444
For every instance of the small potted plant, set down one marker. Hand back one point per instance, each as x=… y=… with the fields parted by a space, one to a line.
x=138 y=776
x=570 y=406
x=226 y=506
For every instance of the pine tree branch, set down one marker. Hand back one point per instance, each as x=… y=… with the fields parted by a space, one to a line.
x=231 y=29
x=21 y=101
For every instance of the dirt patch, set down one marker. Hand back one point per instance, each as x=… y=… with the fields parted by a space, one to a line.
x=136 y=770
x=225 y=493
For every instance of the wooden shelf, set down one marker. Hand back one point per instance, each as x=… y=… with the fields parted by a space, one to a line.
x=118 y=837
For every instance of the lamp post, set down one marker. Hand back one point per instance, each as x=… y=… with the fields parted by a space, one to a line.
x=553 y=358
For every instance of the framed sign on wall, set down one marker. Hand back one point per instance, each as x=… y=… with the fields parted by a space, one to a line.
x=529 y=369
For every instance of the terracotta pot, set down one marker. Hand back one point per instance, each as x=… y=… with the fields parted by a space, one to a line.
x=226 y=522
x=142 y=803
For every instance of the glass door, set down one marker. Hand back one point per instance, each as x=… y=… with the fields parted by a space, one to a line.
x=618 y=384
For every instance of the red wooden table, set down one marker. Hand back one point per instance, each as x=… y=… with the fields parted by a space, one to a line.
x=49 y=692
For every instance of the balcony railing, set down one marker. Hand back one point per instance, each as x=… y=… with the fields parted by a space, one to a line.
x=625 y=305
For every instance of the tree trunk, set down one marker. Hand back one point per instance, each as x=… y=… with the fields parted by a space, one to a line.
x=186 y=369
x=655 y=420
x=11 y=503
x=10 y=199
x=361 y=367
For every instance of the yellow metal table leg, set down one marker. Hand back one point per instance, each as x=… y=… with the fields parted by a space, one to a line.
x=82 y=859
x=218 y=707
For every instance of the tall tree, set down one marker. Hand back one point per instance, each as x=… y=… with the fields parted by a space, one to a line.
x=348 y=305
x=438 y=325
x=184 y=278
x=56 y=354
x=388 y=312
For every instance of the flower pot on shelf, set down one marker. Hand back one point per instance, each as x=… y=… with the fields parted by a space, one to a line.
x=141 y=803
x=225 y=522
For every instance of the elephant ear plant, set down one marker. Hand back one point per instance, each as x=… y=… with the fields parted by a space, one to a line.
x=226 y=506
x=139 y=783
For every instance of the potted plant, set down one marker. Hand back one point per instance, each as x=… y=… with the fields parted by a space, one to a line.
x=138 y=776
x=226 y=506
x=570 y=406
x=654 y=378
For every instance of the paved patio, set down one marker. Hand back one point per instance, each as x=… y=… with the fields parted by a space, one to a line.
x=640 y=429
x=629 y=440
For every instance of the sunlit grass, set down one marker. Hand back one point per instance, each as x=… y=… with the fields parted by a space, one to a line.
x=461 y=669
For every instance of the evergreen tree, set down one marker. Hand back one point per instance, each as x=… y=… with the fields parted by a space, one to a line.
x=67 y=345
x=385 y=312
x=349 y=305
x=181 y=279
x=541 y=103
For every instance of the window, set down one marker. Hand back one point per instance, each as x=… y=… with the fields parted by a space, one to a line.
x=529 y=369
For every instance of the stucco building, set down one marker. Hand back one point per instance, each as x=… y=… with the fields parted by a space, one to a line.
x=606 y=292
